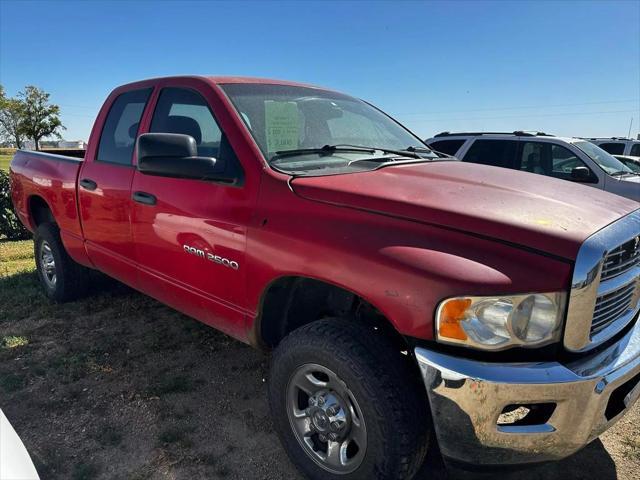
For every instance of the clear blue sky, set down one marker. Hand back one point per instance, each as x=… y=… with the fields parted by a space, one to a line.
x=569 y=68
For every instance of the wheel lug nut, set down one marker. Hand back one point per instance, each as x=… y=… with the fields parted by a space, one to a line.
x=320 y=401
x=333 y=436
x=322 y=438
x=312 y=427
x=336 y=425
x=333 y=410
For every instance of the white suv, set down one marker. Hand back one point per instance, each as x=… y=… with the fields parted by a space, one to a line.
x=618 y=145
x=571 y=159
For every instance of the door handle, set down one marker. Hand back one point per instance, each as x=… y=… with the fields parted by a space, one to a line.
x=88 y=184
x=144 y=197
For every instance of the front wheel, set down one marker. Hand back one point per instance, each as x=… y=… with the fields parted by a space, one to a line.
x=347 y=404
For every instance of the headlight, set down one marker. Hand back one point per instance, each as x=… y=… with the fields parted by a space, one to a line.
x=496 y=323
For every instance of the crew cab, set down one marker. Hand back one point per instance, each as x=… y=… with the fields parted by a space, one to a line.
x=572 y=159
x=398 y=290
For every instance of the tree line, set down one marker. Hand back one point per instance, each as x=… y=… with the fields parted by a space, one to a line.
x=29 y=115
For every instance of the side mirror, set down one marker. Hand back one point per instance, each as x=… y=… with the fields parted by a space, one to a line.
x=581 y=174
x=176 y=155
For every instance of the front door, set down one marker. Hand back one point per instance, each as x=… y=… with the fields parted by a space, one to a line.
x=190 y=234
x=553 y=160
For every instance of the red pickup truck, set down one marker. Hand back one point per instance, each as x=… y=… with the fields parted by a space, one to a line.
x=401 y=292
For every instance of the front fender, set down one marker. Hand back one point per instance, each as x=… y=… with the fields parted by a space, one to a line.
x=402 y=268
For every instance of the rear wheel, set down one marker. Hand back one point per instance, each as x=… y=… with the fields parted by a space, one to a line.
x=346 y=403
x=62 y=278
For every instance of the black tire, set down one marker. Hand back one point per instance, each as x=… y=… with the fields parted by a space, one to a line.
x=384 y=384
x=71 y=279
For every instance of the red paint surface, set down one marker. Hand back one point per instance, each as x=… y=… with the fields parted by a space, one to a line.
x=402 y=237
x=538 y=212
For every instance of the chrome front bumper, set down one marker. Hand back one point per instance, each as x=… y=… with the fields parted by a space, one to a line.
x=467 y=397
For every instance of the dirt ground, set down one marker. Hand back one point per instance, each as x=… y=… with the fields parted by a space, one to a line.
x=117 y=386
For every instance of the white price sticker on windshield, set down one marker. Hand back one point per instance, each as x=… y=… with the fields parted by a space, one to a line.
x=281 y=125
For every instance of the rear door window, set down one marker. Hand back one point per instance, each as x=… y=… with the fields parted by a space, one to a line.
x=499 y=153
x=450 y=147
x=121 y=127
x=614 y=148
x=635 y=150
x=531 y=158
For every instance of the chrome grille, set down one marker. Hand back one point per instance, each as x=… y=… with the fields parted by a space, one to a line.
x=612 y=306
x=621 y=259
x=605 y=288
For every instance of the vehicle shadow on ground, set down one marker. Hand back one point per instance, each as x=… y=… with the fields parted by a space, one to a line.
x=591 y=463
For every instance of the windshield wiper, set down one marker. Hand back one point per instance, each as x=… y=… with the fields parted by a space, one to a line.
x=428 y=150
x=331 y=149
x=326 y=150
x=413 y=148
x=400 y=153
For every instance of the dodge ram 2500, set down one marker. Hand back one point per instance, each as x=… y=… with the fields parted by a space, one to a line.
x=399 y=291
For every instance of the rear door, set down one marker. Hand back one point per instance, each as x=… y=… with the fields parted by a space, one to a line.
x=104 y=190
x=190 y=234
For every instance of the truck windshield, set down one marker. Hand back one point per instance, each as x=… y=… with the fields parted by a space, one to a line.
x=303 y=129
x=606 y=161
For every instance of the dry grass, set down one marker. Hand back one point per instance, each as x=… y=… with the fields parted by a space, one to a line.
x=120 y=386
x=633 y=447
x=16 y=257
x=5 y=160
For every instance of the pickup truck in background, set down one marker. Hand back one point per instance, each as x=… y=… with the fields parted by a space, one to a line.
x=398 y=290
x=573 y=159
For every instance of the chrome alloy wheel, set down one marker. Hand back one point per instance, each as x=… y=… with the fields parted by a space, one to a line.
x=326 y=419
x=47 y=264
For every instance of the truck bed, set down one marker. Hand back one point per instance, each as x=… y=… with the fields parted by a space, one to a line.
x=66 y=152
x=51 y=177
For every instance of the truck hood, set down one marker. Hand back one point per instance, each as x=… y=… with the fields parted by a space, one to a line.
x=546 y=214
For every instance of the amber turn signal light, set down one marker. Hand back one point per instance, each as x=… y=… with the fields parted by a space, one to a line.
x=450 y=316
